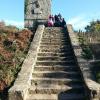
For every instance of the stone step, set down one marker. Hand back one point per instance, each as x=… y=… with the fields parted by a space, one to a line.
x=71 y=96
x=57 y=50
x=58 y=81
x=60 y=54
x=60 y=96
x=69 y=83
x=50 y=63
x=42 y=97
x=55 y=36
x=53 y=28
x=55 y=46
x=54 y=31
x=54 y=89
x=56 y=74
x=54 y=41
x=57 y=58
x=56 y=68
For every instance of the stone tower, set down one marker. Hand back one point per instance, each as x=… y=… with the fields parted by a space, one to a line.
x=36 y=12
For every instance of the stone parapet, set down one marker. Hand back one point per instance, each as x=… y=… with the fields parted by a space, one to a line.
x=93 y=87
x=19 y=90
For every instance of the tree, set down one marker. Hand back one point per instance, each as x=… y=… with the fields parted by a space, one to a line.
x=94 y=27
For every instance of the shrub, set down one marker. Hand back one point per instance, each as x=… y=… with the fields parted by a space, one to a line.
x=13 y=47
x=86 y=52
x=98 y=76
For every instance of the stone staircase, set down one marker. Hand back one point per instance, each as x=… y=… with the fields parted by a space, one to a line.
x=56 y=75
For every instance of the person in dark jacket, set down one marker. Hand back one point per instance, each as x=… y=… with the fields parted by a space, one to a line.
x=56 y=21
x=63 y=24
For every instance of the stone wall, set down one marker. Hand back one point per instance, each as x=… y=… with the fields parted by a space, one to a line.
x=93 y=88
x=20 y=89
x=37 y=11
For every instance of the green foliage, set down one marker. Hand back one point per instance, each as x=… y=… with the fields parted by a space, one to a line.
x=81 y=40
x=9 y=29
x=4 y=35
x=9 y=45
x=13 y=28
x=14 y=45
x=87 y=53
x=11 y=48
x=93 y=27
x=98 y=77
x=89 y=42
x=19 y=56
x=1 y=58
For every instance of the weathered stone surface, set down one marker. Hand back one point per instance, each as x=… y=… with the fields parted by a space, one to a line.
x=63 y=77
x=93 y=87
x=22 y=83
x=37 y=11
x=56 y=75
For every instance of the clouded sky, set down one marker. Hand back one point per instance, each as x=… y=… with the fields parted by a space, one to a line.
x=76 y=12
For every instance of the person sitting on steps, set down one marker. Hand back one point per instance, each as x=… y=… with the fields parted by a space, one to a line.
x=63 y=24
x=51 y=21
x=56 y=21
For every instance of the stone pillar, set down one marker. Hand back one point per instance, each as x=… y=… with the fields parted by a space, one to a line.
x=37 y=12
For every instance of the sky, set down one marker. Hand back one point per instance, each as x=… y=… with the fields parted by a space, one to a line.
x=76 y=12
x=12 y=12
